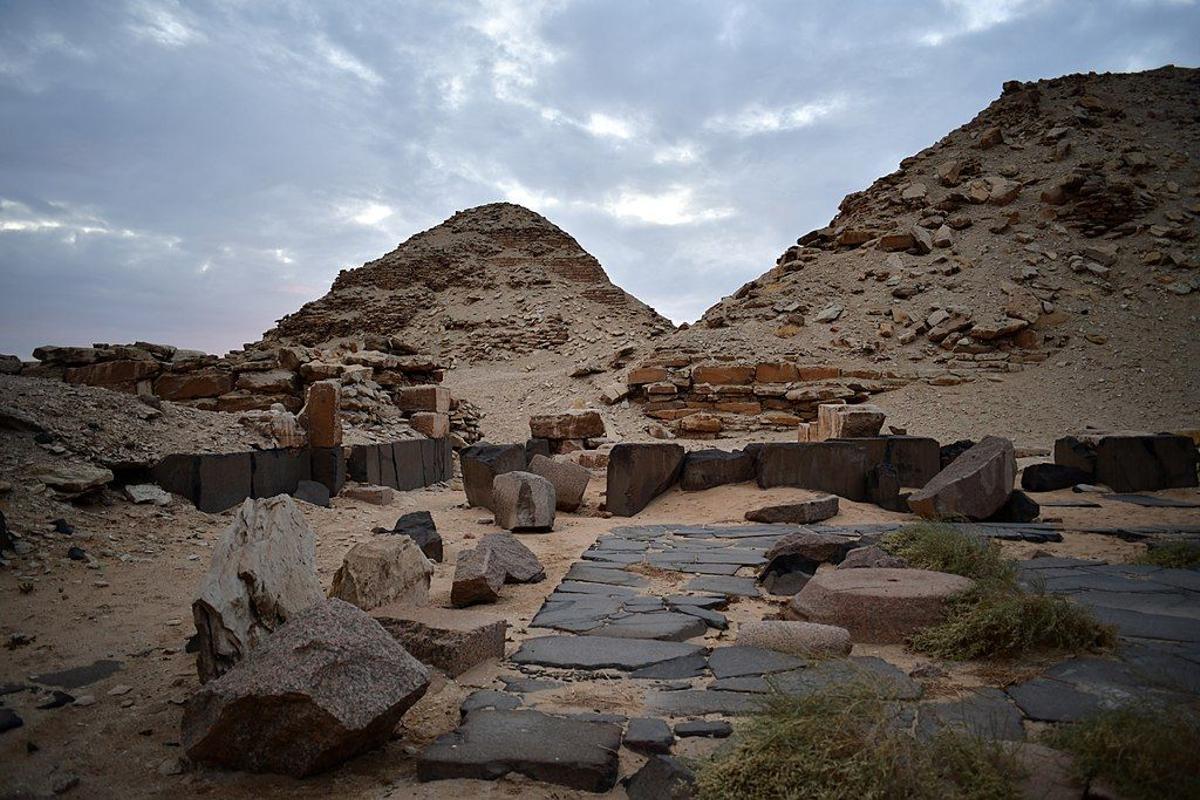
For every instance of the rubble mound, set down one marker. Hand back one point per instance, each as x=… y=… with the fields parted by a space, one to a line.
x=489 y=284
x=1055 y=228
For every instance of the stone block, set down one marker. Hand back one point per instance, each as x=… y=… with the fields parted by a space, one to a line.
x=419 y=526
x=481 y=463
x=445 y=642
x=383 y=570
x=478 y=577
x=375 y=495
x=705 y=469
x=723 y=374
x=193 y=385
x=835 y=467
x=425 y=398
x=975 y=485
x=1132 y=462
x=278 y=471
x=637 y=473
x=224 y=480
x=841 y=421
x=568 y=425
x=363 y=463
x=328 y=466
x=321 y=415
x=570 y=480
x=802 y=512
x=431 y=423
x=523 y=501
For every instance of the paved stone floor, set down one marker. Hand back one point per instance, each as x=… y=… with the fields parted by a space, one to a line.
x=646 y=605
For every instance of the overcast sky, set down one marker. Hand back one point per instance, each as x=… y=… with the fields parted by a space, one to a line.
x=188 y=172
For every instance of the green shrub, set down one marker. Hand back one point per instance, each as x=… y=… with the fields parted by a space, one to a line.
x=1139 y=753
x=947 y=548
x=1174 y=555
x=846 y=743
x=990 y=622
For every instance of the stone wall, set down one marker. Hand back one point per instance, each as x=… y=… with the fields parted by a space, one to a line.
x=374 y=377
x=699 y=398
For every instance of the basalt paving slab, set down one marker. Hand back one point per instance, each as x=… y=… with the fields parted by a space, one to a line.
x=689 y=666
x=78 y=677
x=665 y=626
x=737 y=660
x=613 y=577
x=713 y=619
x=1047 y=700
x=890 y=681
x=599 y=652
x=756 y=684
x=1150 y=501
x=1149 y=626
x=698 y=702
x=723 y=584
x=986 y=713
x=569 y=752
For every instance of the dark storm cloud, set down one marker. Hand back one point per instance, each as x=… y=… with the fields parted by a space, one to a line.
x=189 y=172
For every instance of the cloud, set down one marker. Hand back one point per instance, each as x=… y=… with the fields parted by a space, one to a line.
x=977 y=16
x=339 y=59
x=604 y=125
x=370 y=214
x=163 y=23
x=682 y=153
x=674 y=206
x=755 y=119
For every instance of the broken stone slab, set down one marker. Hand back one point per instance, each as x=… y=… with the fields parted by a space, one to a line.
x=706 y=469
x=883 y=677
x=478 y=577
x=841 y=421
x=445 y=641
x=662 y=777
x=985 y=713
x=803 y=552
x=519 y=563
x=143 y=493
x=877 y=606
x=322 y=688
x=73 y=479
x=802 y=513
x=599 y=652
x=1052 y=477
x=699 y=702
x=419 y=526
x=568 y=425
x=523 y=501
x=490 y=744
x=488 y=699
x=481 y=463
x=1132 y=462
x=974 y=486
x=614 y=577
x=796 y=638
x=570 y=480
x=1047 y=700
x=382 y=571
x=263 y=572
x=649 y=735
x=691 y=666
x=637 y=473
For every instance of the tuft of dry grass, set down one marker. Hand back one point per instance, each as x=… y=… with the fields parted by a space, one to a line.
x=1173 y=555
x=847 y=743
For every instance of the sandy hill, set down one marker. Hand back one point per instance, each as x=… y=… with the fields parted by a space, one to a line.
x=489 y=284
x=1034 y=268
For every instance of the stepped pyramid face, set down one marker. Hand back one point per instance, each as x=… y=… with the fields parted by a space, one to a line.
x=491 y=282
x=1066 y=209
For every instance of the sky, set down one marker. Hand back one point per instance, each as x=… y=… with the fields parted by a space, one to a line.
x=189 y=172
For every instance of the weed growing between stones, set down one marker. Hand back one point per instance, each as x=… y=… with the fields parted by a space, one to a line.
x=1138 y=753
x=945 y=548
x=996 y=618
x=849 y=742
x=1173 y=555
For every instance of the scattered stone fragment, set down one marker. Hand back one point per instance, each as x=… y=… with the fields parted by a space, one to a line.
x=478 y=577
x=263 y=572
x=326 y=686
x=569 y=480
x=662 y=777
x=73 y=479
x=1051 y=477
x=375 y=495
x=803 y=512
x=648 y=735
x=974 y=486
x=383 y=570
x=707 y=728
x=447 y=642
x=419 y=526
x=488 y=699
x=489 y=744
x=519 y=563
x=637 y=473
x=796 y=638
x=872 y=556
x=523 y=501
x=877 y=606
x=141 y=493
